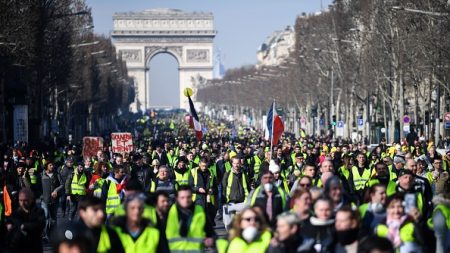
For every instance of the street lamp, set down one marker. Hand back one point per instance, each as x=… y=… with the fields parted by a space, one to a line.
x=331 y=88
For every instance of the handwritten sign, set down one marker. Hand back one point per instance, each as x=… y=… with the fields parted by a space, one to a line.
x=122 y=142
x=91 y=145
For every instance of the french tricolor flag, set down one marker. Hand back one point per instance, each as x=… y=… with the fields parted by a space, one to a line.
x=195 y=121
x=275 y=126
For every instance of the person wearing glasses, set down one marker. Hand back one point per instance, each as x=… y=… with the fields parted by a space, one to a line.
x=248 y=233
x=305 y=182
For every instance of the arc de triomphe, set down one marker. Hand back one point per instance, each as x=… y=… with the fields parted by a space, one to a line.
x=187 y=36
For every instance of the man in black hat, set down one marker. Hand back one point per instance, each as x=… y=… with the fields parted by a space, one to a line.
x=413 y=195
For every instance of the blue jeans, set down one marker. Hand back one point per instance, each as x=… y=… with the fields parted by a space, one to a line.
x=50 y=210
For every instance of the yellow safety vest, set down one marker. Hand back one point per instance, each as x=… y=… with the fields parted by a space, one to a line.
x=193 y=242
x=230 y=181
x=221 y=245
x=257 y=165
x=78 y=186
x=445 y=210
x=406 y=232
x=194 y=173
x=98 y=187
x=104 y=244
x=391 y=189
x=239 y=245
x=182 y=179
x=113 y=199
x=280 y=191
x=344 y=171
x=146 y=242
x=359 y=181
x=149 y=213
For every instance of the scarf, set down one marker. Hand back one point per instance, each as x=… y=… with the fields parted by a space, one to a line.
x=394 y=230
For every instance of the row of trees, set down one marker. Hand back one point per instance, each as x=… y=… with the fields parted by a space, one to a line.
x=370 y=59
x=50 y=60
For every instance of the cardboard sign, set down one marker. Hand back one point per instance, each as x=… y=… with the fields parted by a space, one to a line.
x=91 y=145
x=122 y=142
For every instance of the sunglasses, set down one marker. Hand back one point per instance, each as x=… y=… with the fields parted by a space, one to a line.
x=248 y=219
x=305 y=185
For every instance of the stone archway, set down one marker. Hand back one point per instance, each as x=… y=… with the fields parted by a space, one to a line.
x=138 y=36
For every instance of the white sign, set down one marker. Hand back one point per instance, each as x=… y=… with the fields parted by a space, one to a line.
x=20 y=123
x=122 y=142
x=303 y=122
x=340 y=130
x=406 y=128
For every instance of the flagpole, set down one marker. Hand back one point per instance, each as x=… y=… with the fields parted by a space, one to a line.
x=273 y=120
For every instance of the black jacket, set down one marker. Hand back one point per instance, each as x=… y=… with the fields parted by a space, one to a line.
x=237 y=193
x=322 y=232
x=204 y=180
x=294 y=244
x=143 y=174
x=28 y=238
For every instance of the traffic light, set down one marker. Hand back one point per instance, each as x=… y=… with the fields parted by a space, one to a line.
x=333 y=121
x=427 y=117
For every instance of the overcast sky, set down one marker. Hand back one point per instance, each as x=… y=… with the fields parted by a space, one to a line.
x=242 y=26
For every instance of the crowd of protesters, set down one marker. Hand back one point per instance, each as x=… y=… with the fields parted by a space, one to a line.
x=303 y=195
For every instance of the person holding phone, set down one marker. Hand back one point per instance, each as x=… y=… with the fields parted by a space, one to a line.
x=399 y=227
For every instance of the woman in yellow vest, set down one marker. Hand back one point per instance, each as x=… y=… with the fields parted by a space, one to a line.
x=135 y=232
x=400 y=228
x=248 y=233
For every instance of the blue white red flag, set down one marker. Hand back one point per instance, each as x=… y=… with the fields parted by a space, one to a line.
x=195 y=121
x=275 y=126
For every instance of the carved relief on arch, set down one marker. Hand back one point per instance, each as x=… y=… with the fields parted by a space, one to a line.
x=150 y=51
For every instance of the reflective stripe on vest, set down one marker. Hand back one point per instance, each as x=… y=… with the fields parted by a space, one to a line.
x=113 y=199
x=193 y=242
x=238 y=245
x=230 y=181
x=360 y=180
x=280 y=191
x=78 y=186
x=182 y=179
x=104 y=244
x=146 y=242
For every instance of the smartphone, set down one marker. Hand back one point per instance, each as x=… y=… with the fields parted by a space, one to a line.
x=410 y=202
